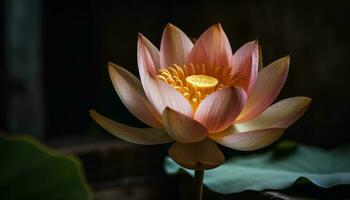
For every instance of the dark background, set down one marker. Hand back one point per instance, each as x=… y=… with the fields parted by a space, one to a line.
x=78 y=38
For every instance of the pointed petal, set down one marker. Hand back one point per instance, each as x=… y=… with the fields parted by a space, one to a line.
x=162 y=95
x=175 y=47
x=247 y=141
x=147 y=57
x=182 y=128
x=280 y=115
x=146 y=136
x=265 y=129
x=131 y=93
x=220 y=109
x=267 y=87
x=200 y=156
x=153 y=50
x=212 y=48
x=245 y=61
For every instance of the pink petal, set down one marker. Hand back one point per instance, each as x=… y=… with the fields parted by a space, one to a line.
x=201 y=155
x=246 y=62
x=130 y=91
x=146 y=136
x=162 y=95
x=265 y=129
x=212 y=48
x=267 y=87
x=247 y=141
x=220 y=109
x=183 y=128
x=280 y=115
x=175 y=47
x=147 y=57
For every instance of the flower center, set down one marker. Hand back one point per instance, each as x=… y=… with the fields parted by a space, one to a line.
x=195 y=82
x=202 y=81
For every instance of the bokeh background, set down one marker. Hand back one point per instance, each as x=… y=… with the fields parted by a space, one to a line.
x=53 y=69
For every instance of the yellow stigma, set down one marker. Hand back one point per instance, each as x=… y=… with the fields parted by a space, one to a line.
x=202 y=81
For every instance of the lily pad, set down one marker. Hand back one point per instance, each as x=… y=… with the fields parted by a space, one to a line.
x=274 y=170
x=29 y=170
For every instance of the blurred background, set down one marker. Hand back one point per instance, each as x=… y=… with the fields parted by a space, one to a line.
x=53 y=69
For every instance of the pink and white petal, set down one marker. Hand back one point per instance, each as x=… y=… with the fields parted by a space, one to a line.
x=146 y=136
x=212 y=48
x=245 y=62
x=267 y=87
x=265 y=129
x=247 y=141
x=220 y=109
x=131 y=93
x=175 y=46
x=201 y=155
x=153 y=50
x=182 y=128
x=162 y=95
x=145 y=61
x=280 y=115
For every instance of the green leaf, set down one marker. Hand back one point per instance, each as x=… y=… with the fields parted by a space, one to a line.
x=29 y=170
x=275 y=170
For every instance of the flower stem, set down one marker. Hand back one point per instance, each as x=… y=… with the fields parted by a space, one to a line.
x=198 y=184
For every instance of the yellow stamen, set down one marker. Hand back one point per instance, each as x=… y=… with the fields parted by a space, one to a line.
x=196 y=82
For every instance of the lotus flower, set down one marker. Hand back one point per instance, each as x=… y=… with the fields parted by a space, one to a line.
x=200 y=93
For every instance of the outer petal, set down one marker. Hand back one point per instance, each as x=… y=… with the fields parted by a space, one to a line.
x=147 y=136
x=245 y=61
x=147 y=57
x=182 y=128
x=220 y=109
x=267 y=87
x=247 y=141
x=130 y=91
x=200 y=155
x=161 y=95
x=175 y=46
x=212 y=48
x=280 y=115
x=265 y=129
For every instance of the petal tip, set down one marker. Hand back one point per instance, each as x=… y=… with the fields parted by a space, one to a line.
x=287 y=59
x=169 y=26
x=111 y=66
x=307 y=100
x=218 y=25
x=141 y=38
